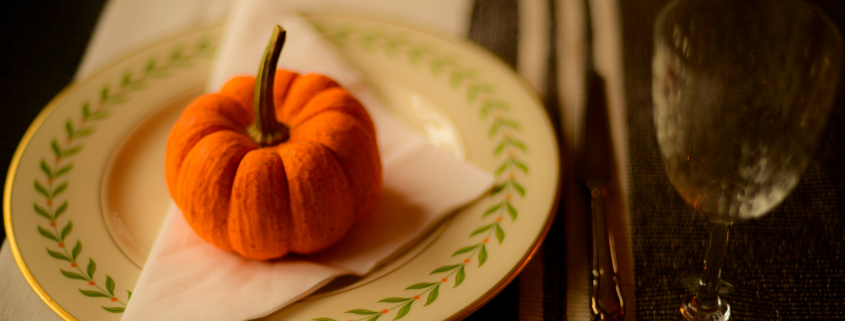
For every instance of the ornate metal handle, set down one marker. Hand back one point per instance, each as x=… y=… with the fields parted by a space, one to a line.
x=605 y=290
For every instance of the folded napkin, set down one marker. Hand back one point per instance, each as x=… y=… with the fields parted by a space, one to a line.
x=187 y=278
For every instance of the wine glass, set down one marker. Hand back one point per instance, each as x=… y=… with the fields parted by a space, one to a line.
x=741 y=90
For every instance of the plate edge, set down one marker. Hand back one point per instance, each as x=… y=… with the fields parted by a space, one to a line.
x=514 y=272
x=30 y=132
x=520 y=80
x=7 y=198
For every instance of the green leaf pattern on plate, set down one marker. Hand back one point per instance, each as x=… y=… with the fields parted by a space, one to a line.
x=61 y=150
x=503 y=131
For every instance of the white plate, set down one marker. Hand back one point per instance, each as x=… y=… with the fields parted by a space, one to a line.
x=86 y=194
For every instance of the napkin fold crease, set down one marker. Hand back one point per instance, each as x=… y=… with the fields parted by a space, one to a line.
x=187 y=278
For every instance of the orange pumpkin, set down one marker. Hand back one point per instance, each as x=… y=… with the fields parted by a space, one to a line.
x=293 y=180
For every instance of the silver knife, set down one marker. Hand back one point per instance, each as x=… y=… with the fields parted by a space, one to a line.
x=596 y=170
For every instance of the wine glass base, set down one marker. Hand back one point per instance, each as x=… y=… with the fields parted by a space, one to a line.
x=691 y=310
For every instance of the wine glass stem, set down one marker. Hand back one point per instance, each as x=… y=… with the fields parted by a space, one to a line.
x=708 y=289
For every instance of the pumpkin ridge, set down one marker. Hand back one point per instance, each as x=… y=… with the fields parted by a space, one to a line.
x=259 y=213
x=220 y=104
x=205 y=190
x=308 y=123
x=242 y=90
x=281 y=87
x=321 y=201
x=335 y=99
x=302 y=90
x=336 y=160
x=358 y=156
x=357 y=215
x=185 y=134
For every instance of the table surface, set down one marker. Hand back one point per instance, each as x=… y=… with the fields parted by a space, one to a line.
x=787 y=265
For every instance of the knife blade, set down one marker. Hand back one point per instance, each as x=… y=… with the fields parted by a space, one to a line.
x=595 y=165
x=596 y=172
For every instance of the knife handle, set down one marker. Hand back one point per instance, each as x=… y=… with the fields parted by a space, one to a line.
x=605 y=290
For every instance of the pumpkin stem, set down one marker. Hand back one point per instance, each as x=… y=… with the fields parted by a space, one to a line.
x=266 y=130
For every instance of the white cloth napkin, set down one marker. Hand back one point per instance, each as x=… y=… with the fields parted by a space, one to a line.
x=187 y=278
x=127 y=25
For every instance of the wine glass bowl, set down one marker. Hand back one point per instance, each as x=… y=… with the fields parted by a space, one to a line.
x=742 y=91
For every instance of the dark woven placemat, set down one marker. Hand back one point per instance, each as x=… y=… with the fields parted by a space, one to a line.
x=787 y=265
